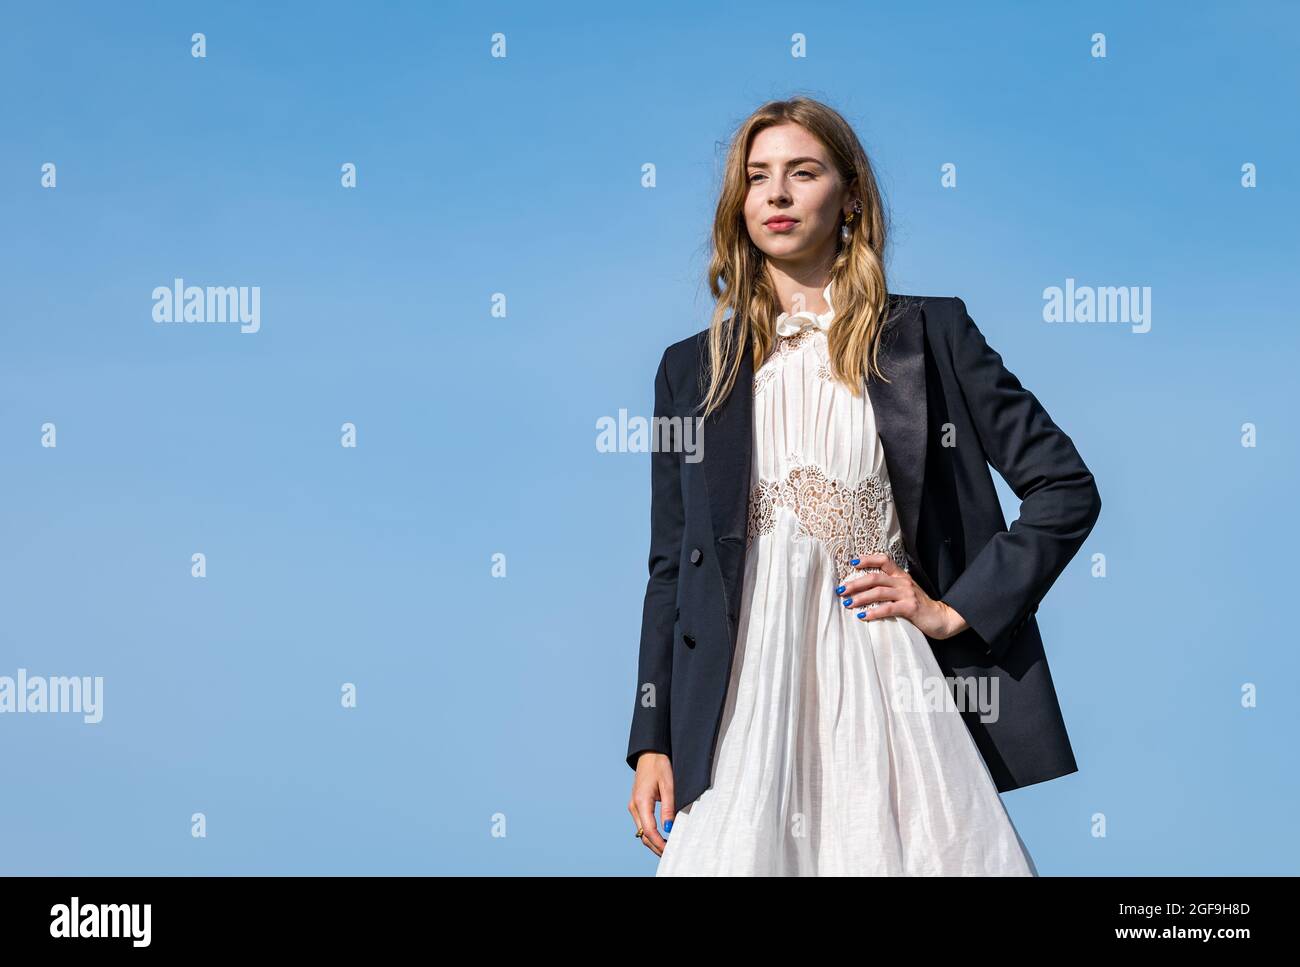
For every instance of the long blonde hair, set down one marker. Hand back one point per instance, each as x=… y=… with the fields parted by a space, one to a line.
x=738 y=277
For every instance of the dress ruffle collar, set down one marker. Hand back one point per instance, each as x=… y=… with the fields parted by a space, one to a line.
x=791 y=324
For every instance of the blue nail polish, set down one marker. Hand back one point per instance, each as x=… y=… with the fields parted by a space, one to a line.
x=840 y=589
x=848 y=602
x=854 y=561
x=668 y=826
x=862 y=614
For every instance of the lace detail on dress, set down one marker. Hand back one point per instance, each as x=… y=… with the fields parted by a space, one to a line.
x=785 y=346
x=788 y=344
x=845 y=519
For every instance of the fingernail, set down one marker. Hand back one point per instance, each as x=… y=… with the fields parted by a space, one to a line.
x=848 y=602
x=840 y=589
x=668 y=826
x=862 y=614
x=855 y=560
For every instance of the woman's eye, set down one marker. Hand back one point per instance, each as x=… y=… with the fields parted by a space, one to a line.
x=801 y=171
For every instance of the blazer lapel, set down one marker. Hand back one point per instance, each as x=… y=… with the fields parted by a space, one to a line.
x=901 y=418
x=728 y=450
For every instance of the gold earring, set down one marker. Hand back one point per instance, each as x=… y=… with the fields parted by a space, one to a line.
x=846 y=233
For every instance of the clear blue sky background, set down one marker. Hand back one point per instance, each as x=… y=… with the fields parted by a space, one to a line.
x=481 y=696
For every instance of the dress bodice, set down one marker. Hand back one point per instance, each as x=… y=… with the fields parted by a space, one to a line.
x=817 y=451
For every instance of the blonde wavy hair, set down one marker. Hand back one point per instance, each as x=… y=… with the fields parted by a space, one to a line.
x=738 y=277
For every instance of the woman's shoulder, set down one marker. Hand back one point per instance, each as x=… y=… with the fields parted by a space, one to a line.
x=942 y=307
x=684 y=356
x=945 y=317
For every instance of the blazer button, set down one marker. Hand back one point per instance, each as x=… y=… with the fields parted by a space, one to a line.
x=689 y=640
x=696 y=556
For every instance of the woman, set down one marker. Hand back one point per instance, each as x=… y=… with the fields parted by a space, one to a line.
x=840 y=669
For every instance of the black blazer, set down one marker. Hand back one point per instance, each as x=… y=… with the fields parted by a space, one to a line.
x=944 y=379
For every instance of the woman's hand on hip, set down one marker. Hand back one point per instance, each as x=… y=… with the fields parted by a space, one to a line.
x=893 y=592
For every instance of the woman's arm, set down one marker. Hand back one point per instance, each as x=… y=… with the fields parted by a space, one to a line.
x=1059 y=501
x=650 y=716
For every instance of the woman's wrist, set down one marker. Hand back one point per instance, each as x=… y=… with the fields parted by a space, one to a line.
x=954 y=623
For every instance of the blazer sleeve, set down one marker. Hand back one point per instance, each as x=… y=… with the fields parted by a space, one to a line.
x=1059 y=500
x=650 y=731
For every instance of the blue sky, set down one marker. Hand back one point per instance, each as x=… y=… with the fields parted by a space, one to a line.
x=482 y=697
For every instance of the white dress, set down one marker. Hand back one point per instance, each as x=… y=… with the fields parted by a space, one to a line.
x=840 y=751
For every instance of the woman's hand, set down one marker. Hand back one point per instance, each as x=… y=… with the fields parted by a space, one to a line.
x=899 y=595
x=652 y=783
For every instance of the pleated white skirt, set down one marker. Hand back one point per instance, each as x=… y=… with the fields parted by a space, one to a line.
x=840 y=751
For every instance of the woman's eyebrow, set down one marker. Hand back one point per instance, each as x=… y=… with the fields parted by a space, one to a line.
x=789 y=164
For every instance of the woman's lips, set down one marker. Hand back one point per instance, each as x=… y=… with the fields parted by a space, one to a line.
x=781 y=224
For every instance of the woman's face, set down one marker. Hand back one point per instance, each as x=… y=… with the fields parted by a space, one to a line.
x=796 y=198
